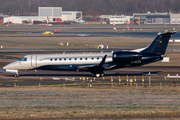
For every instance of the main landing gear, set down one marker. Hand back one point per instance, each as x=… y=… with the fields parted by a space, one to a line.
x=99 y=75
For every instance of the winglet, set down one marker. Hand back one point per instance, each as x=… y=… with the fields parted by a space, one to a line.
x=103 y=61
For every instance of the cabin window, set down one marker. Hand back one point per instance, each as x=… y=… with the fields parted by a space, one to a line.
x=80 y=58
x=85 y=58
x=64 y=59
x=60 y=59
x=51 y=59
x=21 y=58
x=75 y=58
x=97 y=58
x=70 y=59
x=92 y=58
x=55 y=59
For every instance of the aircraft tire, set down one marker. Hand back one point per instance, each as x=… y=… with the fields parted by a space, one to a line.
x=102 y=74
x=99 y=75
x=16 y=75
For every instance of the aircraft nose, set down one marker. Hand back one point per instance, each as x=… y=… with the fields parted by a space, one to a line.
x=5 y=67
x=10 y=66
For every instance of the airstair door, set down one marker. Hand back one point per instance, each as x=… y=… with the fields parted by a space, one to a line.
x=34 y=61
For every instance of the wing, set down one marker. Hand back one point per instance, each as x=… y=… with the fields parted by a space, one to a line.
x=94 y=68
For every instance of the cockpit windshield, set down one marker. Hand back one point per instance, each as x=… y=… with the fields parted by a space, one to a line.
x=25 y=59
x=21 y=59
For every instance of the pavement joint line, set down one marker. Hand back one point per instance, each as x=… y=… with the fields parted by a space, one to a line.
x=144 y=79
x=106 y=84
x=61 y=85
x=11 y=80
x=85 y=83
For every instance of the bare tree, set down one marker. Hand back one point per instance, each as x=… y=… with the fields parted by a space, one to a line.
x=127 y=7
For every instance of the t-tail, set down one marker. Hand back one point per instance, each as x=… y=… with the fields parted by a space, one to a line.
x=159 y=44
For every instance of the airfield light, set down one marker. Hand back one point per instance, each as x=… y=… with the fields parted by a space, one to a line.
x=90 y=83
x=131 y=81
x=111 y=82
x=142 y=80
x=134 y=80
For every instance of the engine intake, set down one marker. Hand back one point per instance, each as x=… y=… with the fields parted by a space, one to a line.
x=124 y=57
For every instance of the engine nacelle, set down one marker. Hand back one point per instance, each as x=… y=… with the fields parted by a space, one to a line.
x=124 y=57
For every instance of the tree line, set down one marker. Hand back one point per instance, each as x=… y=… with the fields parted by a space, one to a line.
x=108 y=7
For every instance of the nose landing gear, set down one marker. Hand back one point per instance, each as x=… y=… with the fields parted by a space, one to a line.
x=16 y=75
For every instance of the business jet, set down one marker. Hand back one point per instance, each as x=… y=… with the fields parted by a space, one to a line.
x=96 y=63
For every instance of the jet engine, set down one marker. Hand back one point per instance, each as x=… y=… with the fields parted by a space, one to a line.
x=124 y=57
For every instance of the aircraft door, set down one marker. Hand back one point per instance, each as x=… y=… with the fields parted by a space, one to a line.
x=34 y=61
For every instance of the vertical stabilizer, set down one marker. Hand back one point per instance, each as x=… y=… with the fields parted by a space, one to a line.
x=159 y=44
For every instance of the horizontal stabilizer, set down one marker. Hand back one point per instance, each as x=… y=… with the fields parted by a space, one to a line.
x=170 y=33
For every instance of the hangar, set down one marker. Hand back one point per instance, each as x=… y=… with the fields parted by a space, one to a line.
x=152 y=18
x=119 y=19
x=51 y=14
x=175 y=18
x=23 y=19
x=156 y=18
x=71 y=15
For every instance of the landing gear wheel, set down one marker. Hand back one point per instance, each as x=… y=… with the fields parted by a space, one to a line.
x=102 y=74
x=99 y=75
x=16 y=75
